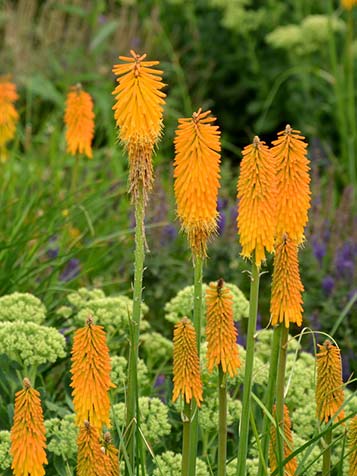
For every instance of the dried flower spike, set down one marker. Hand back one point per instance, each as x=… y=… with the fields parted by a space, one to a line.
x=91 y=375
x=329 y=387
x=293 y=183
x=138 y=114
x=352 y=447
x=79 y=119
x=220 y=330
x=287 y=288
x=256 y=195
x=110 y=457
x=291 y=467
x=8 y=114
x=28 y=440
x=197 y=158
x=187 y=378
x=90 y=461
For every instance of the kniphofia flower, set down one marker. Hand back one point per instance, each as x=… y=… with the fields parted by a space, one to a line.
x=91 y=375
x=110 y=456
x=290 y=467
x=352 y=447
x=287 y=288
x=138 y=114
x=348 y=4
x=90 y=461
x=187 y=378
x=329 y=387
x=79 y=119
x=28 y=440
x=292 y=182
x=197 y=158
x=256 y=195
x=220 y=330
x=8 y=114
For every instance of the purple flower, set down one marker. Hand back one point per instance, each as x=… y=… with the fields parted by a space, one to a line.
x=71 y=270
x=221 y=222
x=345 y=260
x=169 y=233
x=328 y=283
x=319 y=249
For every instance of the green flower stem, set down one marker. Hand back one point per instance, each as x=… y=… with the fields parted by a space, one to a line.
x=186 y=417
x=280 y=387
x=351 y=101
x=326 y=459
x=248 y=376
x=132 y=393
x=197 y=320
x=222 y=422
x=269 y=400
x=74 y=178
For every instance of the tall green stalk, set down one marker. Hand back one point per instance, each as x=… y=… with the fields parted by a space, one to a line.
x=197 y=320
x=248 y=377
x=132 y=393
x=222 y=422
x=186 y=416
x=326 y=459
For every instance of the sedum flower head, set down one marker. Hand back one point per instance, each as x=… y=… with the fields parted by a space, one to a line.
x=90 y=456
x=28 y=440
x=187 y=378
x=293 y=183
x=5 y=456
x=80 y=298
x=156 y=347
x=256 y=196
x=352 y=447
x=8 y=114
x=22 y=307
x=62 y=436
x=91 y=375
x=138 y=114
x=197 y=158
x=291 y=466
x=119 y=374
x=79 y=119
x=287 y=288
x=220 y=330
x=329 y=386
x=30 y=344
x=170 y=463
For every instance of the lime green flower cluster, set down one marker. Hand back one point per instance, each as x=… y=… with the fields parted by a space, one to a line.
x=169 y=464
x=61 y=436
x=154 y=419
x=182 y=304
x=5 y=457
x=237 y=16
x=22 y=307
x=119 y=374
x=156 y=347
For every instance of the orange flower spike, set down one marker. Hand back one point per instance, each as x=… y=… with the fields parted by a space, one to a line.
x=256 y=196
x=111 y=456
x=90 y=459
x=287 y=288
x=8 y=114
x=28 y=440
x=138 y=114
x=197 y=159
x=291 y=467
x=329 y=387
x=293 y=183
x=348 y=4
x=91 y=375
x=352 y=447
x=187 y=378
x=220 y=330
x=79 y=119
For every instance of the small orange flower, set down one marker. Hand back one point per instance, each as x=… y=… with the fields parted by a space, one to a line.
x=8 y=114
x=291 y=467
x=293 y=183
x=287 y=288
x=220 y=330
x=79 y=119
x=352 y=447
x=28 y=440
x=256 y=195
x=348 y=4
x=91 y=375
x=138 y=114
x=90 y=460
x=197 y=148
x=187 y=378
x=110 y=456
x=329 y=387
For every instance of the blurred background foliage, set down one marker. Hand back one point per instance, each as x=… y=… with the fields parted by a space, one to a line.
x=258 y=64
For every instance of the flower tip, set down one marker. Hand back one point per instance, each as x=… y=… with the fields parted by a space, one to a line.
x=26 y=383
x=256 y=141
x=288 y=129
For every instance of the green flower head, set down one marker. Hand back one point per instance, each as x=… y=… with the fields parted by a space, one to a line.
x=22 y=307
x=169 y=464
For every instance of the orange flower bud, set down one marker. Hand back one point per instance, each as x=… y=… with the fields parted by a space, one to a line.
x=8 y=114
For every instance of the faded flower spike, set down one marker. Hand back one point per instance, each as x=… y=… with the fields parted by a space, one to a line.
x=91 y=375
x=197 y=158
x=256 y=196
x=329 y=387
x=79 y=119
x=187 y=378
x=292 y=182
x=220 y=330
x=8 y=114
x=110 y=456
x=28 y=440
x=352 y=447
x=138 y=114
x=287 y=288
x=90 y=460
x=290 y=467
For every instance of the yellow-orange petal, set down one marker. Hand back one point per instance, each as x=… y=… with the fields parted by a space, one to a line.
x=110 y=457
x=197 y=159
x=8 y=114
x=90 y=460
x=256 y=201
x=291 y=467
